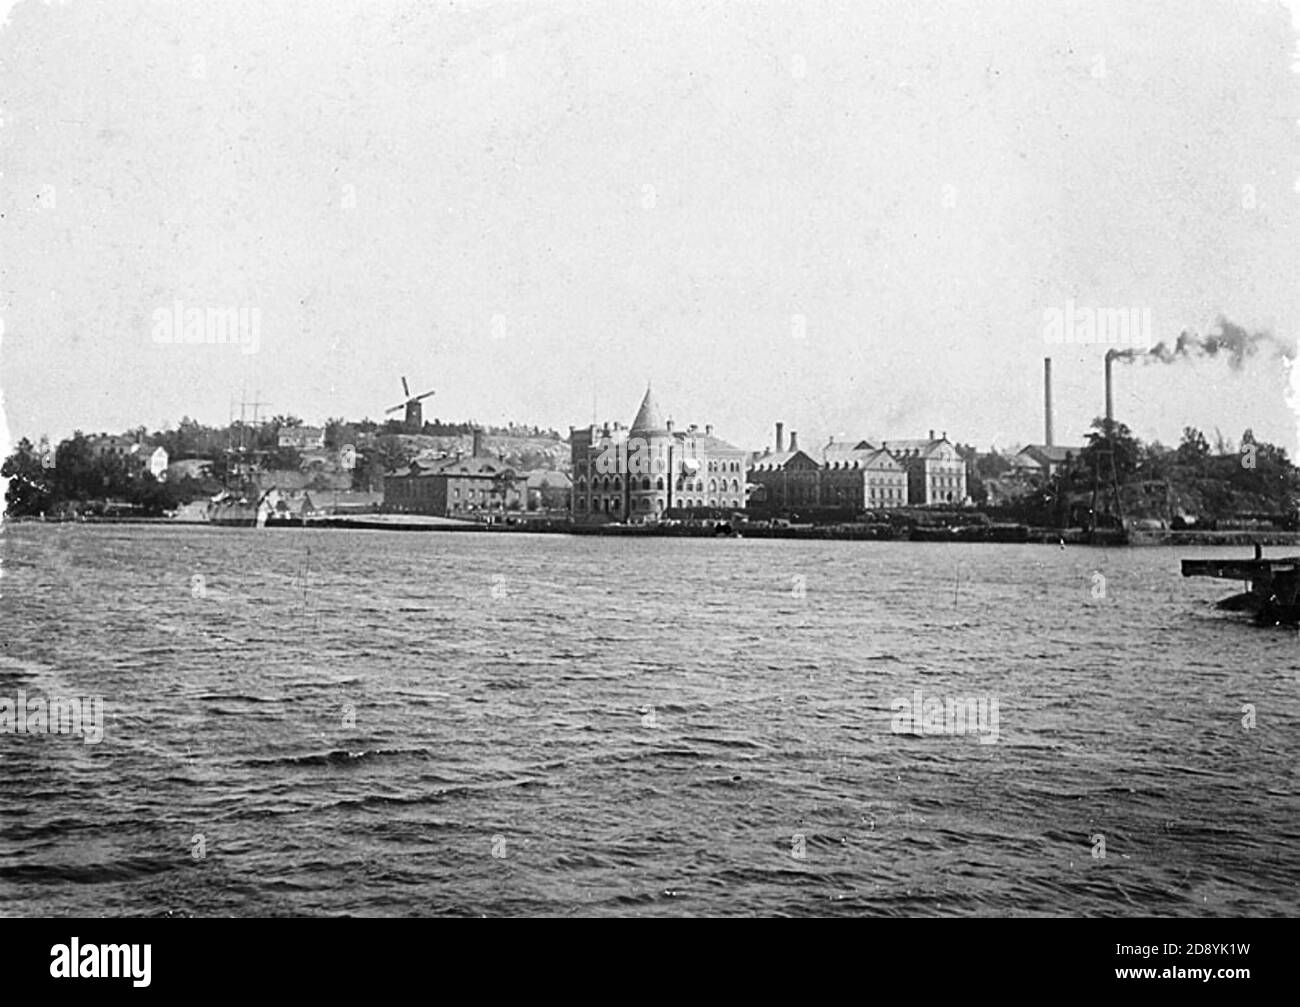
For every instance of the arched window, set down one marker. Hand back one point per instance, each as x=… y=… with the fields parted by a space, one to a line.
x=659 y=483
x=645 y=503
x=582 y=485
x=713 y=485
x=645 y=483
x=606 y=486
x=618 y=485
x=735 y=486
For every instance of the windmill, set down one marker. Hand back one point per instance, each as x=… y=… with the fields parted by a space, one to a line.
x=414 y=411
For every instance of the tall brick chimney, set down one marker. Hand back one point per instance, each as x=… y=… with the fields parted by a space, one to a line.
x=1110 y=395
x=794 y=441
x=478 y=442
x=780 y=437
x=1047 y=400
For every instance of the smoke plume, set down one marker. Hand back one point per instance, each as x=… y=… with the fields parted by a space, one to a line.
x=1226 y=340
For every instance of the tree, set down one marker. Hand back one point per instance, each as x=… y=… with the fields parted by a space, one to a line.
x=1155 y=461
x=76 y=476
x=279 y=459
x=1112 y=438
x=337 y=433
x=29 y=491
x=1193 y=446
x=991 y=465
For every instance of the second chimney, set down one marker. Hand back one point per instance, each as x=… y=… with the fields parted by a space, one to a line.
x=478 y=443
x=1047 y=400
x=794 y=442
x=1110 y=399
x=780 y=437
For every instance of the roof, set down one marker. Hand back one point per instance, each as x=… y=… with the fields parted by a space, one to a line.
x=838 y=450
x=1054 y=454
x=648 y=418
x=861 y=455
x=923 y=447
x=780 y=460
x=467 y=466
x=877 y=458
x=708 y=442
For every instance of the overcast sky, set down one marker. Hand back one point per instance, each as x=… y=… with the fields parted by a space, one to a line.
x=851 y=217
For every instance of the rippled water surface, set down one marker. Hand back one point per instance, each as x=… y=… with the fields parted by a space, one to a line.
x=381 y=723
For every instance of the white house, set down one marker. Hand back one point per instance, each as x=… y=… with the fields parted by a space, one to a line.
x=152 y=460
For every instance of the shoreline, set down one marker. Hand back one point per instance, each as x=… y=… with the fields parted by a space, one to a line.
x=975 y=534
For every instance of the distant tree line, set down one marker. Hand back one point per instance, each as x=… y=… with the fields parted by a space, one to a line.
x=75 y=479
x=1193 y=482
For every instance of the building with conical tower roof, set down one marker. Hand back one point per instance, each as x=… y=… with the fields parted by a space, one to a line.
x=648 y=419
x=650 y=470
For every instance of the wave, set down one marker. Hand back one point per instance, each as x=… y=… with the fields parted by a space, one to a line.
x=338 y=757
x=90 y=874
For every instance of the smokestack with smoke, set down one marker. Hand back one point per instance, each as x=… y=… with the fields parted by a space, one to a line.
x=1110 y=397
x=1227 y=339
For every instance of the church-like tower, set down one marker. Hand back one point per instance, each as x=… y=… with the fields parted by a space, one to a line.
x=650 y=460
x=652 y=470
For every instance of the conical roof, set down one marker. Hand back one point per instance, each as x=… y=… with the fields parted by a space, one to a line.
x=648 y=419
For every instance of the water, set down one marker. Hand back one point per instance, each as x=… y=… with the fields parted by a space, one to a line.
x=377 y=723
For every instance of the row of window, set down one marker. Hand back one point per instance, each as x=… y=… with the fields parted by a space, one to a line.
x=616 y=484
x=473 y=494
x=426 y=488
x=582 y=467
x=612 y=505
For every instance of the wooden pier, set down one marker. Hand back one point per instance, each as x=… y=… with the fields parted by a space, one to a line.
x=1272 y=585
